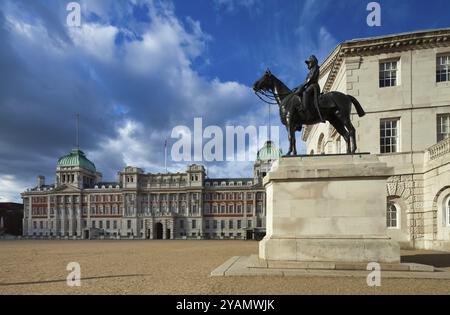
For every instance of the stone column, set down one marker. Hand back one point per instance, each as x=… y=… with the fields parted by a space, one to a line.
x=30 y=217
x=200 y=212
x=188 y=203
x=88 y=217
x=49 y=219
x=71 y=215
x=56 y=216
x=151 y=227
x=63 y=219
x=79 y=216
x=164 y=229
x=158 y=203
x=244 y=216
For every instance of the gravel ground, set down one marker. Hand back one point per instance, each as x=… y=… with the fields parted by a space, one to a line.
x=174 y=267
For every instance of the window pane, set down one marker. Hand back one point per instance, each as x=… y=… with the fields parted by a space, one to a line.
x=391 y=216
x=443 y=127
x=388 y=136
x=388 y=74
x=442 y=68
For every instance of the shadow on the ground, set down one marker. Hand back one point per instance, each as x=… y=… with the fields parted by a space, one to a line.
x=436 y=260
x=65 y=280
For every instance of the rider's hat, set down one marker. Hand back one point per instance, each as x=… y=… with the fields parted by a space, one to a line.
x=312 y=59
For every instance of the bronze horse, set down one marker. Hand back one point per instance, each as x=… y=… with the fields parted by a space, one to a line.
x=335 y=107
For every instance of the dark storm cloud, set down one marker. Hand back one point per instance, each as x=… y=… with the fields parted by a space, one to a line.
x=129 y=93
x=40 y=92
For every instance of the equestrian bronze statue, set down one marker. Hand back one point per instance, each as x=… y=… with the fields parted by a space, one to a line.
x=334 y=107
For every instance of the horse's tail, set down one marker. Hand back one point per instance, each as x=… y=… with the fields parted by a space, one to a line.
x=358 y=107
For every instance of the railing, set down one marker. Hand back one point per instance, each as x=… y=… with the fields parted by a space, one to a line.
x=439 y=149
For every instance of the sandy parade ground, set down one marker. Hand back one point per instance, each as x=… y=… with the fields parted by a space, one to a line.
x=175 y=267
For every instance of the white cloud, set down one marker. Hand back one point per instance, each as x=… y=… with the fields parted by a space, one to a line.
x=10 y=188
x=133 y=146
x=164 y=54
x=95 y=39
x=27 y=34
x=132 y=93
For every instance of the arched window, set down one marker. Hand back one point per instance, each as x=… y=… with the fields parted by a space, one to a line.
x=338 y=145
x=321 y=144
x=392 y=216
x=447 y=210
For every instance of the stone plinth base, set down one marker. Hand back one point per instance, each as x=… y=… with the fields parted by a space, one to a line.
x=358 y=249
x=328 y=209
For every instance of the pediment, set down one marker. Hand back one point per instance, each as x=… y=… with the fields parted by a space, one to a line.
x=67 y=188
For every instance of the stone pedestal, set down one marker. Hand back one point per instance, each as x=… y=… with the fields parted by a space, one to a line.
x=328 y=209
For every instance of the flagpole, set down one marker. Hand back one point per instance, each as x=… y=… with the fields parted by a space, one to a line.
x=165 y=155
x=270 y=131
x=78 y=131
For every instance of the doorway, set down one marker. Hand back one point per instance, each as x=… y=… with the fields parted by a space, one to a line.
x=168 y=234
x=159 y=231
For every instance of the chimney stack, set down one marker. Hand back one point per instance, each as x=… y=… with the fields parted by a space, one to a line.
x=40 y=181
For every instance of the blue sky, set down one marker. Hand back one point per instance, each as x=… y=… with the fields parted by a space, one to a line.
x=137 y=68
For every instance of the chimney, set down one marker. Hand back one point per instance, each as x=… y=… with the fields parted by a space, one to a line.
x=40 y=181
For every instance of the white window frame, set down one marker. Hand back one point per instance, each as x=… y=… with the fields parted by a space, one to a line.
x=447 y=211
x=397 y=216
x=388 y=68
x=398 y=135
x=443 y=65
x=442 y=120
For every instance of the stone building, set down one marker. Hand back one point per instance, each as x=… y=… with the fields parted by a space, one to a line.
x=403 y=83
x=146 y=206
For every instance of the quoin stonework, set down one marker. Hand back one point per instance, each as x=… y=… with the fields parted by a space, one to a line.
x=79 y=205
x=403 y=83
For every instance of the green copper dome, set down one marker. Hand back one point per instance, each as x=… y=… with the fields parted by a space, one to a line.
x=76 y=158
x=269 y=152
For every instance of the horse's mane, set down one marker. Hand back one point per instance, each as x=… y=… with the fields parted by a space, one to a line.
x=284 y=86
